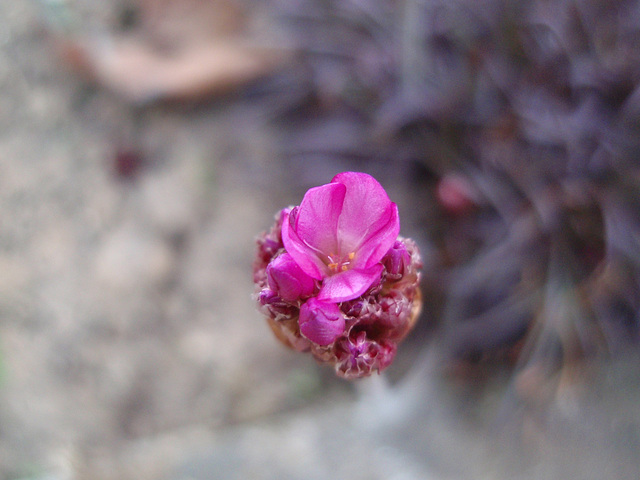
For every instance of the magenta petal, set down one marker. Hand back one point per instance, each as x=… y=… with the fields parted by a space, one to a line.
x=321 y=322
x=304 y=256
x=288 y=280
x=379 y=241
x=349 y=284
x=310 y=235
x=317 y=218
x=366 y=210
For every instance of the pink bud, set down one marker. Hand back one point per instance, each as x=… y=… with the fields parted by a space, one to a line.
x=321 y=322
x=456 y=194
x=287 y=279
x=396 y=260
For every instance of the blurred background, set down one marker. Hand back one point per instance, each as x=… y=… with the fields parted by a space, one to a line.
x=144 y=144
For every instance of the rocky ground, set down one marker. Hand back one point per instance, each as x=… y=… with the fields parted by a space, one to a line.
x=130 y=347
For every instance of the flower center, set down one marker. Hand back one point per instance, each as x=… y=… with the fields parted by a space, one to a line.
x=339 y=264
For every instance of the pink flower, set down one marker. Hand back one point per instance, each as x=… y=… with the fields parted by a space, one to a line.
x=340 y=233
x=285 y=277
x=333 y=278
x=321 y=322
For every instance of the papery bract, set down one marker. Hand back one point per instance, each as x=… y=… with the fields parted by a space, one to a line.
x=340 y=232
x=321 y=322
x=287 y=279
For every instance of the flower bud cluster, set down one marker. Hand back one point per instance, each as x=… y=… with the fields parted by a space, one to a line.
x=357 y=337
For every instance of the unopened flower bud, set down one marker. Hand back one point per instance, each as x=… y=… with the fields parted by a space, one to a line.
x=321 y=322
x=396 y=261
x=287 y=279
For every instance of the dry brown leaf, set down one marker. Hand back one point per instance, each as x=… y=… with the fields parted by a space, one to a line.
x=141 y=74
x=184 y=50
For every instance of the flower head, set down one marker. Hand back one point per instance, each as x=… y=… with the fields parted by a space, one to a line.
x=334 y=279
x=340 y=232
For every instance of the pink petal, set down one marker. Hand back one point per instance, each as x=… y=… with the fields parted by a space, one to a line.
x=310 y=235
x=318 y=215
x=367 y=217
x=379 y=241
x=349 y=284
x=287 y=279
x=321 y=322
x=305 y=257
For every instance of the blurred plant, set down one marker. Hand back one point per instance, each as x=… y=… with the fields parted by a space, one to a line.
x=520 y=122
x=334 y=278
